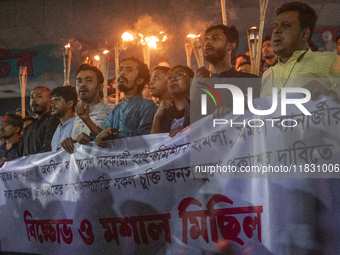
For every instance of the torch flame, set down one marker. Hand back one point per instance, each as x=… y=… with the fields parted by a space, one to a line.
x=105 y=51
x=253 y=28
x=151 y=41
x=164 y=38
x=96 y=57
x=67 y=45
x=127 y=36
x=194 y=36
x=162 y=32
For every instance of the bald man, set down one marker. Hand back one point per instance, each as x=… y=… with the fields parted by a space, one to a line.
x=37 y=136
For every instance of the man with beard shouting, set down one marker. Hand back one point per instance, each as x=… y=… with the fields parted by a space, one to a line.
x=133 y=116
x=91 y=111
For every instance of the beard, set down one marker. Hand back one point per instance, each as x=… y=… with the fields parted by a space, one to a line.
x=121 y=86
x=58 y=113
x=39 y=109
x=216 y=56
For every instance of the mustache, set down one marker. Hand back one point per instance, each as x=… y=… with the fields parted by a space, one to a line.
x=123 y=78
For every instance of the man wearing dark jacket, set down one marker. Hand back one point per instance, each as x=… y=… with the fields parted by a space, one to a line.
x=37 y=136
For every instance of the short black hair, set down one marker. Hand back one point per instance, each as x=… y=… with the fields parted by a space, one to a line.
x=187 y=70
x=99 y=74
x=163 y=69
x=143 y=71
x=232 y=36
x=66 y=92
x=244 y=63
x=18 y=118
x=246 y=57
x=26 y=112
x=266 y=38
x=231 y=33
x=307 y=15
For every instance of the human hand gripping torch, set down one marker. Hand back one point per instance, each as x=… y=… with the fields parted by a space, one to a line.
x=198 y=50
x=104 y=68
x=23 y=81
x=188 y=49
x=67 y=54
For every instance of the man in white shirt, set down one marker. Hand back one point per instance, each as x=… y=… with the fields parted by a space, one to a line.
x=91 y=111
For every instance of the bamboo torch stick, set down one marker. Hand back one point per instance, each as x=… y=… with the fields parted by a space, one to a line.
x=117 y=67
x=67 y=55
x=198 y=50
x=224 y=13
x=188 y=50
x=23 y=81
x=146 y=54
x=96 y=61
x=104 y=68
x=253 y=37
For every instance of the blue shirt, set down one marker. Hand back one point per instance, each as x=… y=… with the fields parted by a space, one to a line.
x=62 y=132
x=132 y=117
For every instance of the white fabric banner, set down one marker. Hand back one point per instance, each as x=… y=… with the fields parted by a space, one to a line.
x=140 y=195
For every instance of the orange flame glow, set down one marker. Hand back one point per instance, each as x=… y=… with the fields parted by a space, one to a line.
x=152 y=41
x=105 y=51
x=96 y=57
x=127 y=36
x=67 y=45
x=194 y=36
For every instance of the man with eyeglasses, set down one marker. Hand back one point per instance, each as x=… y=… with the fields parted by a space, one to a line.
x=133 y=116
x=172 y=116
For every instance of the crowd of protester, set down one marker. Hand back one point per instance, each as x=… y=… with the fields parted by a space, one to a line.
x=68 y=115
